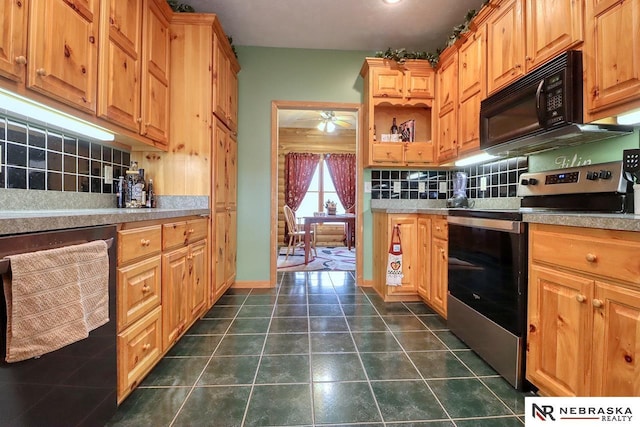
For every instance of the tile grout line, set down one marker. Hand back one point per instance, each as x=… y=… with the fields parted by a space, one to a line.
x=311 y=382
x=193 y=387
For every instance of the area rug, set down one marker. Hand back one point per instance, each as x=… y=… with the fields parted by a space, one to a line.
x=338 y=258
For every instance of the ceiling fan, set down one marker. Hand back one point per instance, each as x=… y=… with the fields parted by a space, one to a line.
x=328 y=121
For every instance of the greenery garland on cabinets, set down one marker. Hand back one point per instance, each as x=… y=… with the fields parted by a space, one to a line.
x=401 y=55
x=180 y=7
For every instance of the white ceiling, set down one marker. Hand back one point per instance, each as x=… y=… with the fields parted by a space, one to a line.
x=368 y=25
x=309 y=119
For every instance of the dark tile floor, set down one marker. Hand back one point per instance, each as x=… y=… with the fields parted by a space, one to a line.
x=320 y=351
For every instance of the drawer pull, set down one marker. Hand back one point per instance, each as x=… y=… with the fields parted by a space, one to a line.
x=597 y=303
x=21 y=60
x=145 y=242
x=581 y=298
x=41 y=72
x=145 y=289
x=591 y=258
x=438 y=229
x=191 y=230
x=146 y=347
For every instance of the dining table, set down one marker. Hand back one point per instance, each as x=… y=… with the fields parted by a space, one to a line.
x=349 y=219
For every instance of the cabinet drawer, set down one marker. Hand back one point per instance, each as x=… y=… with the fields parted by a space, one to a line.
x=183 y=232
x=419 y=152
x=606 y=254
x=139 y=348
x=440 y=228
x=138 y=290
x=387 y=153
x=138 y=243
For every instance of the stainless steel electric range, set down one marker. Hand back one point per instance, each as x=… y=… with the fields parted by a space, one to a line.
x=487 y=298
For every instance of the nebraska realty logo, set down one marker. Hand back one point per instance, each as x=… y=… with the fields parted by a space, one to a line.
x=582 y=411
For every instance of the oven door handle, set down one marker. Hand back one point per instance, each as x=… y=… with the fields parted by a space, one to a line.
x=516 y=227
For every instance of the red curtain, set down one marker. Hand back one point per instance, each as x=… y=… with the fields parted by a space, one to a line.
x=342 y=168
x=298 y=172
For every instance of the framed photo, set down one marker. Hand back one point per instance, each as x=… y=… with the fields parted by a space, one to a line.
x=407 y=131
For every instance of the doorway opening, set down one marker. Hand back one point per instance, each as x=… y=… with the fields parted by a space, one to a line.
x=316 y=131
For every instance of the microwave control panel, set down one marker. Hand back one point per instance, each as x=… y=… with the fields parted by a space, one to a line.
x=554 y=95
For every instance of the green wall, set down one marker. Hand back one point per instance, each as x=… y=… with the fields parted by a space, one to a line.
x=274 y=74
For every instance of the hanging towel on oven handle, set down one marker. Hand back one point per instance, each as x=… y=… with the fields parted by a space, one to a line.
x=394 y=262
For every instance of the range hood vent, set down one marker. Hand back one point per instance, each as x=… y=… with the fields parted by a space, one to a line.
x=567 y=135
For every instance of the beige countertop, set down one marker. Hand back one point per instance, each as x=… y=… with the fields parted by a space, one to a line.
x=609 y=221
x=26 y=221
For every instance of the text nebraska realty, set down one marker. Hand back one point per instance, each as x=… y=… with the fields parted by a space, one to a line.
x=609 y=413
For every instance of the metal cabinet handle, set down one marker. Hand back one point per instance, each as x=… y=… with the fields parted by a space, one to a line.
x=21 y=60
x=591 y=257
x=581 y=298
x=597 y=303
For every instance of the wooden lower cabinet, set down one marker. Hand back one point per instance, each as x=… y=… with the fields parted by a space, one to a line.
x=163 y=285
x=424 y=257
x=583 y=315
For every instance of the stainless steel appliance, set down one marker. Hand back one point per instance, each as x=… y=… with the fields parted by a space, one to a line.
x=540 y=111
x=488 y=258
x=72 y=386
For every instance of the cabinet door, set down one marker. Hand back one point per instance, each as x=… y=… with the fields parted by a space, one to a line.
x=120 y=61
x=424 y=257
x=419 y=152
x=387 y=153
x=233 y=99
x=439 y=276
x=221 y=79
x=220 y=184
x=553 y=26
x=616 y=343
x=448 y=84
x=138 y=290
x=155 y=73
x=505 y=45
x=175 y=313
x=63 y=51
x=469 y=124
x=613 y=74
x=387 y=83
x=472 y=65
x=198 y=278
x=447 y=137
x=231 y=175
x=419 y=84
x=13 y=39
x=230 y=259
x=220 y=254
x=408 y=234
x=559 y=338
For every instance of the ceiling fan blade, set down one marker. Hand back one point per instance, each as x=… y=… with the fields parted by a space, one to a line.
x=342 y=123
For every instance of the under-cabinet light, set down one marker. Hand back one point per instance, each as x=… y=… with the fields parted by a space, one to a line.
x=478 y=158
x=14 y=103
x=632 y=118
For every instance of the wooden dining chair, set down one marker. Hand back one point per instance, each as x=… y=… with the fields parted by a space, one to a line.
x=296 y=233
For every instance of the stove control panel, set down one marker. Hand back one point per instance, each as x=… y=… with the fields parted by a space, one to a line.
x=602 y=178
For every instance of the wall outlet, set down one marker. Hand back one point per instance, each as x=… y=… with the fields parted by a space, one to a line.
x=421 y=187
x=367 y=187
x=442 y=187
x=483 y=183
x=396 y=186
x=108 y=174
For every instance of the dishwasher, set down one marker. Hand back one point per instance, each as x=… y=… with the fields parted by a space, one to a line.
x=72 y=386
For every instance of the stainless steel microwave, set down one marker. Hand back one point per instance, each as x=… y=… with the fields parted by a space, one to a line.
x=541 y=111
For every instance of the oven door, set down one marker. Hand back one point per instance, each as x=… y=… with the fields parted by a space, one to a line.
x=488 y=268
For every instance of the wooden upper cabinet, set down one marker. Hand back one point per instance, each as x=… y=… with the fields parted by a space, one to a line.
x=387 y=83
x=505 y=44
x=63 y=51
x=472 y=64
x=120 y=62
x=613 y=71
x=226 y=68
x=13 y=39
x=414 y=79
x=447 y=106
x=420 y=83
x=155 y=71
x=553 y=26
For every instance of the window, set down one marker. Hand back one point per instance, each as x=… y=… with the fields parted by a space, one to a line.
x=320 y=190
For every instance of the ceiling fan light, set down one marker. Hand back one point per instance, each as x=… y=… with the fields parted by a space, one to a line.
x=391 y=1
x=321 y=126
x=330 y=127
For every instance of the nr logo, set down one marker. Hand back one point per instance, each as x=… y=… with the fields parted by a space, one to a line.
x=544 y=412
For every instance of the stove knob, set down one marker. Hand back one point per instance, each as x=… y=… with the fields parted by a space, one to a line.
x=592 y=176
x=605 y=174
x=533 y=181
x=524 y=182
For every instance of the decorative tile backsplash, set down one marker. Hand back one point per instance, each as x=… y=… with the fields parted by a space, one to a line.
x=36 y=158
x=501 y=178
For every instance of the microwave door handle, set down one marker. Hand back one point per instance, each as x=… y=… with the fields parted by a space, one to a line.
x=538 y=104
